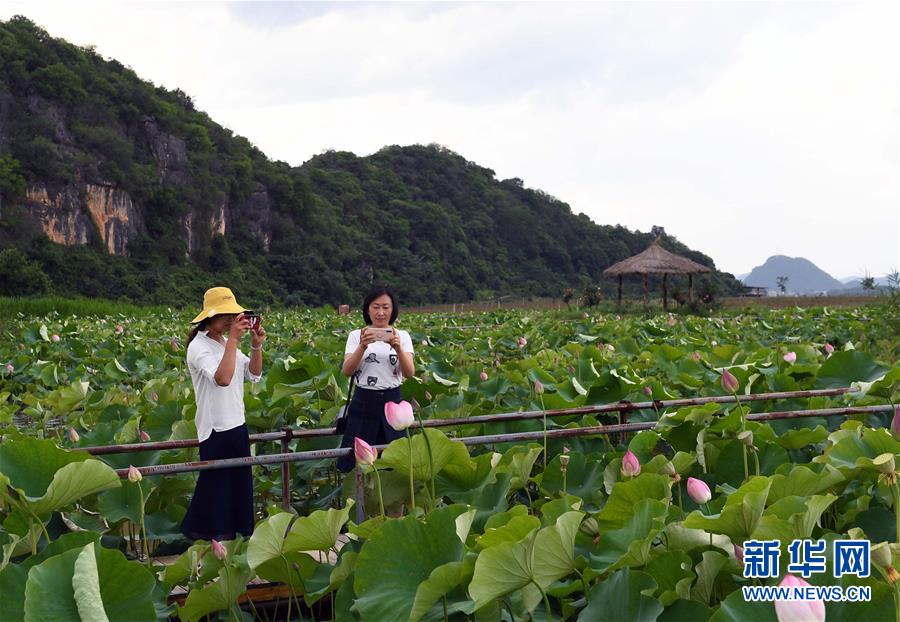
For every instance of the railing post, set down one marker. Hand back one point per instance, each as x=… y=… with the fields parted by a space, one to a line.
x=286 y=470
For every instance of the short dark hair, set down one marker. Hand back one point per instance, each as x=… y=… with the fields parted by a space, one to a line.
x=377 y=292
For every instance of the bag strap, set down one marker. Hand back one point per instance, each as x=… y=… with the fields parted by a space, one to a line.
x=350 y=391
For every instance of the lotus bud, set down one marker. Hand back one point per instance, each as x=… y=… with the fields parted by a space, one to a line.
x=218 y=549
x=790 y=357
x=399 y=416
x=739 y=553
x=522 y=342
x=610 y=347
x=729 y=382
x=119 y=329
x=538 y=387
x=134 y=475
x=671 y=321
x=698 y=491
x=483 y=375
x=365 y=453
x=54 y=338
x=695 y=357
x=631 y=467
x=618 y=317
x=829 y=349
x=798 y=610
x=895 y=422
x=424 y=342
x=415 y=404
x=73 y=435
x=714 y=343
x=648 y=391
x=144 y=436
x=10 y=369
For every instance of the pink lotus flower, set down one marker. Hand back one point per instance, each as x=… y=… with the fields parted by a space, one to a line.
x=610 y=347
x=144 y=436
x=895 y=423
x=365 y=453
x=538 y=387
x=698 y=490
x=739 y=553
x=424 y=342
x=829 y=349
x=54 y=338
x=729 y=382
x=73 y=435
x=483 y=375
x=618 y=317
x=10 y=369
x=798 y=610
x=399 y=416
x=648 y=391
x=671 y=321
x=522 y=342
x=790 y=357
x=218 y=549
x=695 y=357
x=631 y=467
x=119 y=329
x=133 y=474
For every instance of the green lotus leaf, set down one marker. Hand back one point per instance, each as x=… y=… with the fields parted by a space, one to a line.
x=630 y=545
x=623 y=596
x=444 y=452
x=740 y=514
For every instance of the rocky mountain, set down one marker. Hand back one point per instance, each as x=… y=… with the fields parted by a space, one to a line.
x=113 y=187
x=804 y=277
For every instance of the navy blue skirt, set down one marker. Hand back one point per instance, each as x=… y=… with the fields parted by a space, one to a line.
x=366 y=420
x=222 y=505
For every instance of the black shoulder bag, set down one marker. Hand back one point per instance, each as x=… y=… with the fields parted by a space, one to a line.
x=340 y=422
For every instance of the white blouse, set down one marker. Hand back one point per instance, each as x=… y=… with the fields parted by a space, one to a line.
x=218 y=408
x=380 y=366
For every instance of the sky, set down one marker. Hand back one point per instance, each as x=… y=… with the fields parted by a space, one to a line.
x=745 y=129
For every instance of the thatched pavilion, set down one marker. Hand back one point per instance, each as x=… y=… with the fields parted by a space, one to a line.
x=657 y=260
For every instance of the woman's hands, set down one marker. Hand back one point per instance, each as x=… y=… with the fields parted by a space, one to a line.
x=395 y=341
x=366 y=338
x=239 y=327
x=257 y=336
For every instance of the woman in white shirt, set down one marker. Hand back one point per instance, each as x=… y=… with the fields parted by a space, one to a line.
x=222 y=505
x=378 y=368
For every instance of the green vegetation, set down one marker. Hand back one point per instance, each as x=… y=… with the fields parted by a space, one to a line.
x=422 y=218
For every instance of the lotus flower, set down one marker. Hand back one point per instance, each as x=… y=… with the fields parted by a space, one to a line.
x=829 y=349
x=10 y=369
x=630 y=465
x=714 y=343
x=522 y=342
x=739 y=553
x=648 y=391
x=798 y=610
x=73 y=435
x=483 y=375
x=729 y=382
x=895 y=423
x=54 y=338
x=618 y=317
x=399 y=416
x=698 y=490
x=424 y=342
x=671 y=321
x=119 y=329
x=365 y=453
x=538 y=387
x=790 y=357
x=144 y=436
x=133 y=474
x=218 y=549
x=610 y=347
x=695 y=357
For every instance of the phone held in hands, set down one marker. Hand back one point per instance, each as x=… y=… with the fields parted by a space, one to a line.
x=253 y=318
x=381 y=334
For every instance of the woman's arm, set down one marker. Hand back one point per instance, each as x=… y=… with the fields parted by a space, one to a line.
x=256 y=343
x=353 y=359
x=407 y=364
x=225 y=371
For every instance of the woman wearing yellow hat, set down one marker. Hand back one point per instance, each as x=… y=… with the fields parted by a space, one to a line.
x=222 y=505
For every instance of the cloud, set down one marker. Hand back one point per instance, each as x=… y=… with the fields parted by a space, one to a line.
x=745 y=129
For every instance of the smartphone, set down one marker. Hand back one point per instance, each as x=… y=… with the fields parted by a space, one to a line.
x=381 y=334
x=254 y=319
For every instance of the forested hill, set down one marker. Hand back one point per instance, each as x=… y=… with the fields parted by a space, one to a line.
x=112 y=187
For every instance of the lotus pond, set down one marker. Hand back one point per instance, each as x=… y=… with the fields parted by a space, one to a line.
x=594 y=528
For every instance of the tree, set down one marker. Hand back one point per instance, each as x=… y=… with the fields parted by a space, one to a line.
x=867 y=282
x=20 y=277
x=782 y=284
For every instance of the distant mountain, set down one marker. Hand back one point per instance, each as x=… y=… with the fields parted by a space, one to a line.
x=804 y=277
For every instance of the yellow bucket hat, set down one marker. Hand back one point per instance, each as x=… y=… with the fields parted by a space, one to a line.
x=218 y=300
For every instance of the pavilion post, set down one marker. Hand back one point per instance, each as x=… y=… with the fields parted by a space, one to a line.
x=645 y=289
x=665 y=292
x=690 y=288
x=620 y=290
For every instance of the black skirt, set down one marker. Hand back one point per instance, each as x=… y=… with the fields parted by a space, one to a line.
x=366 y=420
x=222 y=505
